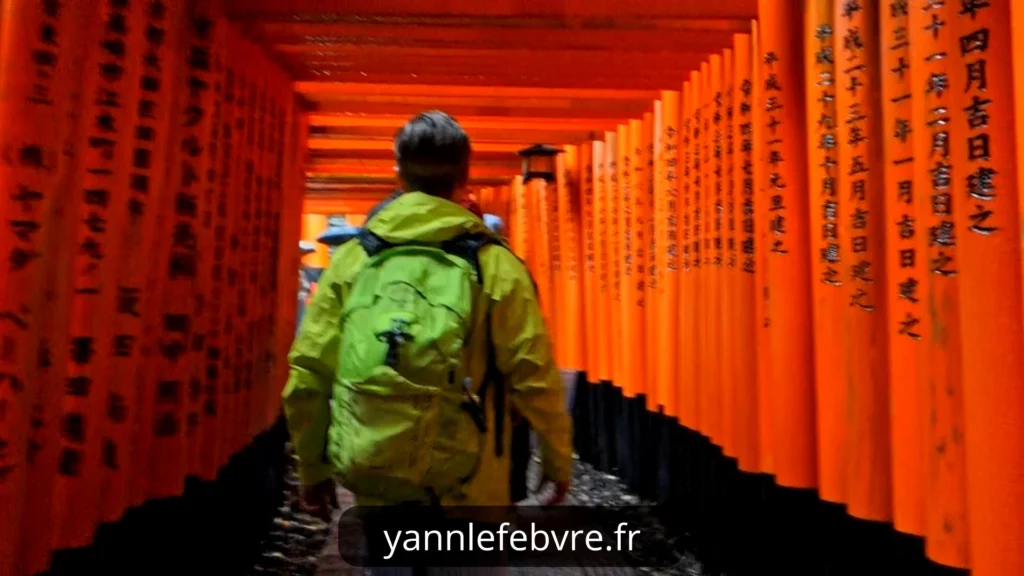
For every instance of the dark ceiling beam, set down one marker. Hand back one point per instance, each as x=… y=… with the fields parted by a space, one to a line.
x=290 y=38
x=324 y=10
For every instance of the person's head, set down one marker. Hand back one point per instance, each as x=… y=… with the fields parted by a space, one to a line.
x=433 y=152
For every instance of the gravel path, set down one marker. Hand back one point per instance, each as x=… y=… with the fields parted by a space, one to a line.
x=301 y=545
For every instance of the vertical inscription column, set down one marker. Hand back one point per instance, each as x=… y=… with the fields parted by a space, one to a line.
x=827 y=281
x=669 y=248
x=793 y=418
x=990 y=286
x=861 y=209
x=101 y=193
x=687 y=284
x=744 y=290
x=903 y=288
x=933 y=57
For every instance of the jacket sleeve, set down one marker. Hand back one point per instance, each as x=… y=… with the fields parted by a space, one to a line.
x=312 y=364
x=524 y=355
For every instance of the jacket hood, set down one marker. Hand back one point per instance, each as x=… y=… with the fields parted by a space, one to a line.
x=419 y=217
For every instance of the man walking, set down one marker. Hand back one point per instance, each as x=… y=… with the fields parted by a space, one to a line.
x=423 y=337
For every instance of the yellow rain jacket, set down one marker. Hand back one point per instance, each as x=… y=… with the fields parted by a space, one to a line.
x=522 y=347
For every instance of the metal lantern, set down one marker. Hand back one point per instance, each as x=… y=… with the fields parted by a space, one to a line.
x=539 y=162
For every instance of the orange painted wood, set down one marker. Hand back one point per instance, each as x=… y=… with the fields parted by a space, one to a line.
x=727 y=257
x=828 y=273
x=141 y=212
x=766 y=447
x=947 y=523
x=336 y=205
x=39 y=118
x=337 y=88
x=861 y=165
x=196 y=424
x=907 y=311
x=688 y=334
x=711 y=408
x=468 y=123
x=293 y=36
x=670 y=175
x=219 y=306
x=989 y=233
x=544 y=213
x=633 y=222
x=571 y=213
x=602 y=9
x=105 y=144
x=701 y=219
x=553 y=212
x=617 y=150
x=745 y=416
x=179 y=268
x=590 y=323
x=603 y=249
x=331 y=144
x=652 y=296
x=793 y=418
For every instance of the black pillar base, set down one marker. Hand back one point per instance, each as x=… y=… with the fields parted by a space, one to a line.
x=212 y=528
x=734 y=522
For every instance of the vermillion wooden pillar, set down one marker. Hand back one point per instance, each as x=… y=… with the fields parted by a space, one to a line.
x=687 y=398
x=700 y=162
x=762 y=293
x=520 y=219
x=570 y=213
x=989 y=230
x=603 y=246
x=39 y=115
x=669 y=247
x=862 y=209
x=745 y=416
x=590 y=323
x=103 y=173
x=711 y=399
x=726 y=225
x=542 y=199
x=932 y=46
x=624 y=215
x=632 y=185
x=652 y=290
x=788 y=261
x=906 y=384
x=827 y=278
x=613 y=157
x=640 y=137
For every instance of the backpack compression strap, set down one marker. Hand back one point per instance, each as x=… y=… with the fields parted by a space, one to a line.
x=468 y=248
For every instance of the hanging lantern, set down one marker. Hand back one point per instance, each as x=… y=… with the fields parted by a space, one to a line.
x=539 y=162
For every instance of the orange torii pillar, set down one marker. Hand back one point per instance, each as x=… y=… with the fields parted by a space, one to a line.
x=988 y=219
x=947 y=527
x=788 y=274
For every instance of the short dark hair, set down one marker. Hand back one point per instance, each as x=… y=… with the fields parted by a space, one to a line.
x=433 y=154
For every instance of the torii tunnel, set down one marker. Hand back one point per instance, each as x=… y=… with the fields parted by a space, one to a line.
x=782 y=253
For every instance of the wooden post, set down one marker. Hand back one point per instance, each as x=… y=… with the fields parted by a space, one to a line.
x=907 y=391
x=669 y=245
x=934 y=138
x=744 y=288
x=861 y=209
x=821 y=86
x=989 y=231
x=788 y=243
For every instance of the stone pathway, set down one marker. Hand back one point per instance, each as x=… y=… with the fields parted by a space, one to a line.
x=301 y=545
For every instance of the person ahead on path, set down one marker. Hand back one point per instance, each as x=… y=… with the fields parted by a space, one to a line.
x=423 y=337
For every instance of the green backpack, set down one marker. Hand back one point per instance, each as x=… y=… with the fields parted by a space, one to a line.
x=410 y=423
